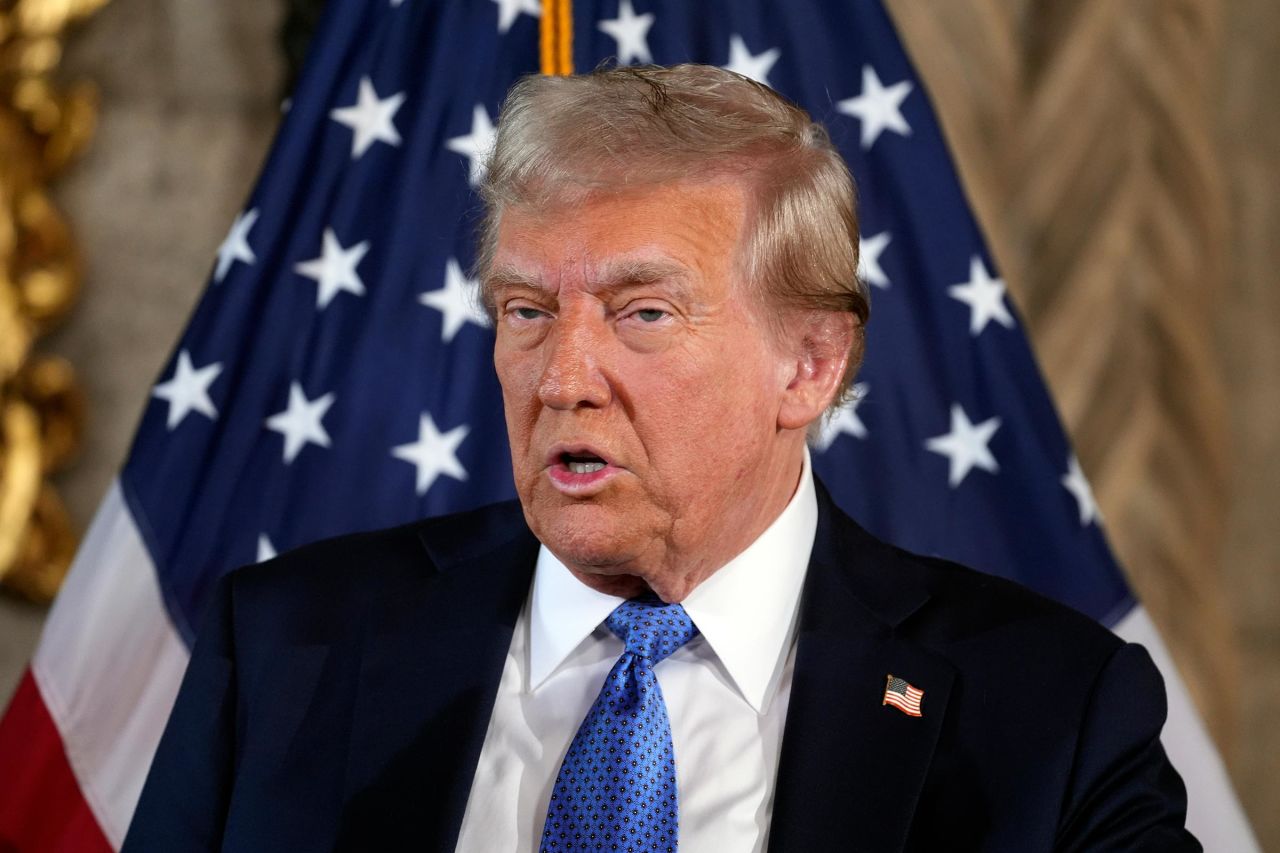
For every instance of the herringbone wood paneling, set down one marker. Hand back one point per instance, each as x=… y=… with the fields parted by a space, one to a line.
x=1091 y=136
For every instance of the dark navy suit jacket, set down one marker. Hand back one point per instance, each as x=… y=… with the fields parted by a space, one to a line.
x=338 y=696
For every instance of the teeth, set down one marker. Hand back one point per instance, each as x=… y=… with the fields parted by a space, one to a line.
x=585 y=467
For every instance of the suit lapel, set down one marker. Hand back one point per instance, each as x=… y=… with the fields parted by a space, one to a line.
x=852 y=767
x=429 y=674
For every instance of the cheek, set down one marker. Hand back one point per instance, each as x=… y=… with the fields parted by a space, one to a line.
x=737 y=380
x=709 y=410
x=518 y=378
x=516 y=366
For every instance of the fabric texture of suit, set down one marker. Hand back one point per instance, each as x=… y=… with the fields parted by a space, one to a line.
x=337 y=699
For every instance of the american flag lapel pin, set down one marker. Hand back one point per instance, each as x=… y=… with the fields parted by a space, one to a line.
x=903 y=696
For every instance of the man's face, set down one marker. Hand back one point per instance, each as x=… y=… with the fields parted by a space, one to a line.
x=641 y=384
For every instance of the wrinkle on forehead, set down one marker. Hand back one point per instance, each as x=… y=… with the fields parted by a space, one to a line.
x=608 y=275
x=672 y=236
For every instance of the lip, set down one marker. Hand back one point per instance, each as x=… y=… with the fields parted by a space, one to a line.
x=576 y=485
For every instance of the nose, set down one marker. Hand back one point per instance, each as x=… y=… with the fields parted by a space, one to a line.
x=571 y=375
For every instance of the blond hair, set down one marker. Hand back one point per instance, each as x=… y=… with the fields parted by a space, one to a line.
x=648 y=125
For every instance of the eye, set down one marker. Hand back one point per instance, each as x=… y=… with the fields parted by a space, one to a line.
x=650 y=315
x=646 y=315
x=523 y=310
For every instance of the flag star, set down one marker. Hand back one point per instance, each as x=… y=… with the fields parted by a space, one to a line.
x=743 y=62
x=985 y=297
x=188 y=390
x=335 y=270
x=476 y=145
x=300 y=422
x=455 y=301
x=509 y=10
x=879 y=108
x=845 y=421
x=966 y=445
x=266 y=551
x=370 y=118
x=1076 y=483
x=869 y=251
x=434 y=453
x=631 y=32
x=235 y=247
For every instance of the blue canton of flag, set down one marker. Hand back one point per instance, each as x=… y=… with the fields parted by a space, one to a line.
x=335 y=375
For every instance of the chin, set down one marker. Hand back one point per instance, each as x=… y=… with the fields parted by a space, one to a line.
x=584 y=535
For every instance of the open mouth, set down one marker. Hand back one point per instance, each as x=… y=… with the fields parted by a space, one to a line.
x=582 y=463
x=578 y=470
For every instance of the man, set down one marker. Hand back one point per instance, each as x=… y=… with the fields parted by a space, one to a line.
x=675 y=639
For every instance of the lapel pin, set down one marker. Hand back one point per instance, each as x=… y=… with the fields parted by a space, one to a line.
x=903 y=696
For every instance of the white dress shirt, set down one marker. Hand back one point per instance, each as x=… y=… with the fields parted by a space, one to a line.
x=727 y=692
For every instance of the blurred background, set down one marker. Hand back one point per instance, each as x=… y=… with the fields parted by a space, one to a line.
x=1123 y=158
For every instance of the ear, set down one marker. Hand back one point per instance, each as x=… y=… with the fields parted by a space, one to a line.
x=825 y=338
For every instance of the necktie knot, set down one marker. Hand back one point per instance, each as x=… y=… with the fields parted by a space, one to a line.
x=651 y=629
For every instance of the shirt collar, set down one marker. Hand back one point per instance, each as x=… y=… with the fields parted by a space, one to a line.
x=563 y=612
x=746 y=610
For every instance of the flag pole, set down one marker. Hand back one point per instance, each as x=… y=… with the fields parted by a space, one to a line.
x=556 y=32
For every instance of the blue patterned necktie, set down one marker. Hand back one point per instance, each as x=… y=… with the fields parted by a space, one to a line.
x=617 y=786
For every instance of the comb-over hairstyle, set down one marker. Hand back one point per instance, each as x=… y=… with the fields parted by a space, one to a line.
x=560 y=138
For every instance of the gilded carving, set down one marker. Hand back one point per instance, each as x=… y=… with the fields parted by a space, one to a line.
x=43 y=125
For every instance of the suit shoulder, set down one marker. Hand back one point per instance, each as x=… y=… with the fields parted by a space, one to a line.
x=959 y=604
x=328 y=589
x=940 y=599
x=339 y=564
x=965 y=602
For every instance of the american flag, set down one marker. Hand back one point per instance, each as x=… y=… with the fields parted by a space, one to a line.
x=335 y=376
x=902 y=696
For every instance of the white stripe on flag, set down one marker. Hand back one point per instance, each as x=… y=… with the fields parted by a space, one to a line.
x=1213 y=811
x=109 y=664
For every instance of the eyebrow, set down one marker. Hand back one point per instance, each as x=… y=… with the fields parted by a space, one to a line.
x=509 y=275
x=615 y=275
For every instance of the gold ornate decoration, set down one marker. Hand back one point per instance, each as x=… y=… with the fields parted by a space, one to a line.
x=42 y=127
x=1084 y=133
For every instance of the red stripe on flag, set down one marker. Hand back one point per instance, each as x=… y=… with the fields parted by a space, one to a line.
x=41 y=809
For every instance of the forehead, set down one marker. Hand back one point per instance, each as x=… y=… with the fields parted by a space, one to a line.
x=694 y=227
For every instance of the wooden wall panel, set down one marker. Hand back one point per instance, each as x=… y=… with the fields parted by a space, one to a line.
x=1124 y=160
